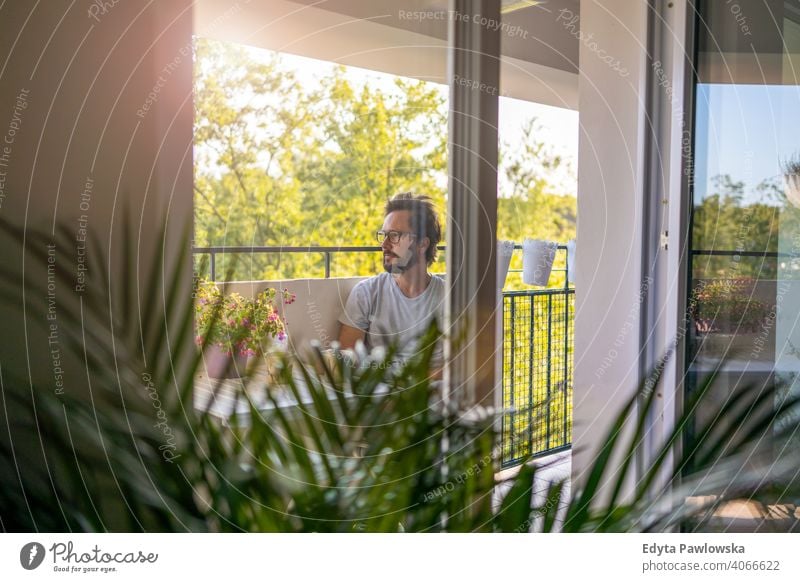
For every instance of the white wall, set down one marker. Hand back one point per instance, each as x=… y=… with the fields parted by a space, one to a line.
x=86 y=79
x=608 y=259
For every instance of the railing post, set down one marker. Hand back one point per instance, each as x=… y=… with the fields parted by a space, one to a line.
x=532 y=343
x=213 y=265
x=549 y=368
x=565 y=408
x=512 y=373
x=327 y=264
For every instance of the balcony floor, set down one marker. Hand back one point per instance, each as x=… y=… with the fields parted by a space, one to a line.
x=552 y=468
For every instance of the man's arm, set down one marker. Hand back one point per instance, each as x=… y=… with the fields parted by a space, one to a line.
x=348 y=336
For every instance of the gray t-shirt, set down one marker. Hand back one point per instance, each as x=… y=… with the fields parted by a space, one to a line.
x=378 y=306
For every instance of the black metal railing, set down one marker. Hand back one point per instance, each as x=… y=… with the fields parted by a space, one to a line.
x=537 y=355
x=537 y=373
x=326 y=252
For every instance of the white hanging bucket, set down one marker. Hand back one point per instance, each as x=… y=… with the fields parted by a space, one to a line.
x=537 y=261
x=505 y=249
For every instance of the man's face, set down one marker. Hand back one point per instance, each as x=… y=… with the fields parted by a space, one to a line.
x=401 y=256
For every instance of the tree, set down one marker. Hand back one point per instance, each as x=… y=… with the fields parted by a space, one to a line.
x=281 y=164
x=722 y=221
x=529 y=207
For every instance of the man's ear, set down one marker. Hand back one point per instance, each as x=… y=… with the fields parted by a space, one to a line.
x=424 y=243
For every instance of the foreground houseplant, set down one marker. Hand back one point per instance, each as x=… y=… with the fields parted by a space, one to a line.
x=124 y=449
x=234 y=328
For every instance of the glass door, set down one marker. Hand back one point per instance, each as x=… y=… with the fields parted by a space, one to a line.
x=744 y=264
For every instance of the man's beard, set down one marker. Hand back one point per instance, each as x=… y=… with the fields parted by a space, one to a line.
x=400 y=266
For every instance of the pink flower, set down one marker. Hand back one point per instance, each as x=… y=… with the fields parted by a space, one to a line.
x=281 y=335
x=198 y=340
x=288 y=298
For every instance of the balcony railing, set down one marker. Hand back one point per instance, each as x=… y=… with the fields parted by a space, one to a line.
x=537 y=355
x=537 y=372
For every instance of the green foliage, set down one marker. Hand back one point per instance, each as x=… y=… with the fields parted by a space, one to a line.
x=364 y=455
x=280 y=163
x=98 y=453
x=126 y=447
x=723 y=221
x=529 y=207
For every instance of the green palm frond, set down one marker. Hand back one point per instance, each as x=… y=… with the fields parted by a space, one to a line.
x=367 y=448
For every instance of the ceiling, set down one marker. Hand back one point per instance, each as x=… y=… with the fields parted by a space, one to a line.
x=544 y=43
x=758 y=45
x=539 y=56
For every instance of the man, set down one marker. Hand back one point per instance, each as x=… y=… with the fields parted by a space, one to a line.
x=396 y=307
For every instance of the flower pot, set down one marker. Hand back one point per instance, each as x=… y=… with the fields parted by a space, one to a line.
x=505 y=250
x=537 y=261
x=220 y=365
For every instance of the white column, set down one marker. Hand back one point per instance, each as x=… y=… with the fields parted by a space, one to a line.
x=106 y=130
x=609 y=280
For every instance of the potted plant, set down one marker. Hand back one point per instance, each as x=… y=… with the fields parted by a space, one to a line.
x=791 y=176
x=234 y=328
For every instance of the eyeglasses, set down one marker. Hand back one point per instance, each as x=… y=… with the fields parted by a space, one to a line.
x=394 y=236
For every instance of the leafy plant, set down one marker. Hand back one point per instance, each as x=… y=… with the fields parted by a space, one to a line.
x=127 y=447
x=235 y=323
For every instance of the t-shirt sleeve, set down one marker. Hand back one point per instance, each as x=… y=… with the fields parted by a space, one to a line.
x=356 y=310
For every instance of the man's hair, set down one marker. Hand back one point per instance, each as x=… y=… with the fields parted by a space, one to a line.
x=424 y=219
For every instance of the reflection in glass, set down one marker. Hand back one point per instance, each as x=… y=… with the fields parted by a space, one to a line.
x=743 y=224
x=744 y=261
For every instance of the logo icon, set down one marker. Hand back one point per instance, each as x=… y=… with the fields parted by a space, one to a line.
x=31 y=555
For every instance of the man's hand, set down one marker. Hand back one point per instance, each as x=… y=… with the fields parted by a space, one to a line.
x=348 y=336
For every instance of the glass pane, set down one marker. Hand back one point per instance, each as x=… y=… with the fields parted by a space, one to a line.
x=303 y=133
x=745 y=218
x=744 y=294
x=537 y=199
